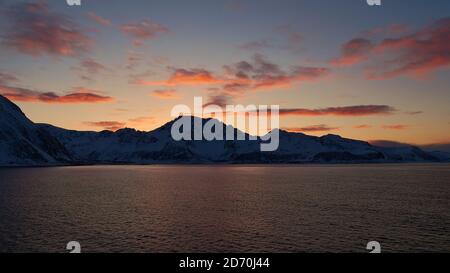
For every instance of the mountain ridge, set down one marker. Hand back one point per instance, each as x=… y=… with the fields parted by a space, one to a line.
x=24 y=143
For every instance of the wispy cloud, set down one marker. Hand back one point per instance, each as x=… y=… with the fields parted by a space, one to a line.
x=181 y=76
x=256 y=45
x=106 y=125
x=115 y=125
x=140 y=122
x=416 y=54
x=261 y=73
x=134 y=59
x=312 y=128
x=6 y=78
x=395 y=127
x=92 y=66
x=353 y=52
x=143 y=30
x=77 y=95
x=218 y=99
x=391 y=29
x=356 y=110
x=26 y=95
x=256 y=74
x=99 y=19
x=88 y=69
x=238 y=78
x=362 y=126
x=283 y=37
x=167 y=94
x=36 y=30
x=413 y=113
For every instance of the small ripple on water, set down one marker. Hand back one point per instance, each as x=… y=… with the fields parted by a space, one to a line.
x=249 y=209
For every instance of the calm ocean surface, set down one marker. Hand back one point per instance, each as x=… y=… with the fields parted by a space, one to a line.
x=307 y=208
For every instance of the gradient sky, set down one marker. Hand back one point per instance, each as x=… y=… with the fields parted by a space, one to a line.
x=338 y=67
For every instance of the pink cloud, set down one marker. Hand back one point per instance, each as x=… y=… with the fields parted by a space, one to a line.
x=261 y=73
x=357 y=110
x=80 y=95
x=353 y=52
x=417 y=54
x=257 y=74
x=35 y=30
x=236 y=79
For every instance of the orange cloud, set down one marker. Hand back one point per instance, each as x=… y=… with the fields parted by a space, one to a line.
x=185 y=77
x=142 y=121
x=257 y=74
x=240 y=77
x=165 y=94
x=106 y=125
x=117 y=125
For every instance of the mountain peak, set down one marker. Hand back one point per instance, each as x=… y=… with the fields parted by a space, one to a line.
x=332 y=136
x=23 y=142
x=8 y=106
x=11 y=114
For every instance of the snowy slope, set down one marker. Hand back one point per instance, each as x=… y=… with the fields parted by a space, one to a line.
x=23 y=143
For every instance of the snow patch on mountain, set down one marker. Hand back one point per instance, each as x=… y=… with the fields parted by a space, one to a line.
x=24 y=143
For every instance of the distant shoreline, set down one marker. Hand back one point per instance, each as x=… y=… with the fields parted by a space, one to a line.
x=228 y=164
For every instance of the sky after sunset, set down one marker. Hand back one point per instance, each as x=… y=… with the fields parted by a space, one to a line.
x=340 y=67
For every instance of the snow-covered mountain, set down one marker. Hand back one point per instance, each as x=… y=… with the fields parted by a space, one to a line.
x=24 y=143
